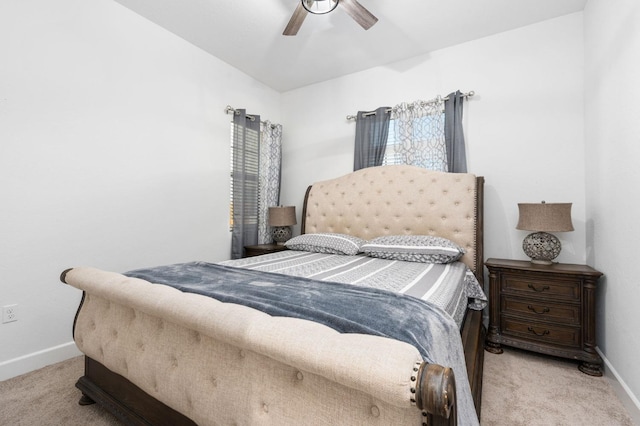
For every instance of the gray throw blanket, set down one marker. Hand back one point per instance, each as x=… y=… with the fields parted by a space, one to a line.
x=343 y=307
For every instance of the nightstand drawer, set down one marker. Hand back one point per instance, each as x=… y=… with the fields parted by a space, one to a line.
x=542 y=332
x=541 y=310
x=530 y=286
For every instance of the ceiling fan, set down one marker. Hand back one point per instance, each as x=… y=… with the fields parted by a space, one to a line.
x=319 y=7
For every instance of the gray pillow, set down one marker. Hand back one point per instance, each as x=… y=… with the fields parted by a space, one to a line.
x=326 y=243
x=413 y=248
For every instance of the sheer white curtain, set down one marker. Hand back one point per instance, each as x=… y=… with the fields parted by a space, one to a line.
x=418 y=135
x=269 y=177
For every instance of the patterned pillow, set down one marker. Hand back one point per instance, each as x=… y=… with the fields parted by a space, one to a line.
x=326 y=243
x=413 y=248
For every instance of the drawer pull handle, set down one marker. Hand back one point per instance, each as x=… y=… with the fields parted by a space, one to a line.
x=544 y=311
x=544 y=333
x=533 y=287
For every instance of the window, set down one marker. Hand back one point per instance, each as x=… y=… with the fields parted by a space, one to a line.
x=255 y=179
x=413 y=134
x=245 y=160
x=418 y=141
x=392 y=153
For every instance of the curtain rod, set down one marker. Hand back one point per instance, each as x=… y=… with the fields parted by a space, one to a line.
x=434 y=100
x=231 y=110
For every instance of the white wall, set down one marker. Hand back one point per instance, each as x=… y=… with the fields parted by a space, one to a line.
x=114 y=152
x=612 y=134
x=524 y=128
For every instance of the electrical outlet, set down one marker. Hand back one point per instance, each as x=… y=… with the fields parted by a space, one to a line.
x=9 y=313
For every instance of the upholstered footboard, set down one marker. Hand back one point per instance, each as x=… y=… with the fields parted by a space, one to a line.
x=220 y=363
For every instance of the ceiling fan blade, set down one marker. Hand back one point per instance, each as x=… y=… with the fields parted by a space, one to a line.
x=359 y=13
x=296 y=21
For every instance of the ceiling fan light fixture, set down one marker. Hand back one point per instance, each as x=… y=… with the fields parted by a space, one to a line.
x=319 y=7
x=359 y=13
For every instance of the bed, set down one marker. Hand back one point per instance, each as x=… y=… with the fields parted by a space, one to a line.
x=155 y=354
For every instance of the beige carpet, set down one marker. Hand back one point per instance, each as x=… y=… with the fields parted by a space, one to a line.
x=523 y=388
x=48 y=397
x=519 y=389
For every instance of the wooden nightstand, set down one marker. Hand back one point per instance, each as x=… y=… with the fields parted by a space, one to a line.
x=262 y=249
x=544 y=308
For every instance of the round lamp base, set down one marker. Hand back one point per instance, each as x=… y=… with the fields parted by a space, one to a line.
x=281 y=234
x=541 y=247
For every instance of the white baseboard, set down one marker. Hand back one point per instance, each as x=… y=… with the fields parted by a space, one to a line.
x=622 y=391
x=33 y=361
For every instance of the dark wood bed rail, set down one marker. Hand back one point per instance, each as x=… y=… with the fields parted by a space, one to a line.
x=479 y=262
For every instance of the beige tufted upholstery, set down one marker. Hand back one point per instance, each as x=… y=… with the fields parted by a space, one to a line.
x=226 y=364
x=397 y=200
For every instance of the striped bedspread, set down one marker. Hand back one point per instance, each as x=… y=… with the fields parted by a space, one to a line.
x=452 y=287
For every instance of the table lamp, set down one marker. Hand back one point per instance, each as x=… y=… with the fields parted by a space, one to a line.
x=543 y=218
x=281 y=218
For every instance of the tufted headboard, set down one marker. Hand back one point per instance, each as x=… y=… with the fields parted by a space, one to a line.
x=401 y=200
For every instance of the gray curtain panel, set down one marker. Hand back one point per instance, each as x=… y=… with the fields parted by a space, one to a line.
x=372 y=131
x=245 y=181
x=453 y=135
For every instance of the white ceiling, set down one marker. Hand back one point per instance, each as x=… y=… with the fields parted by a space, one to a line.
x=247 y=34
